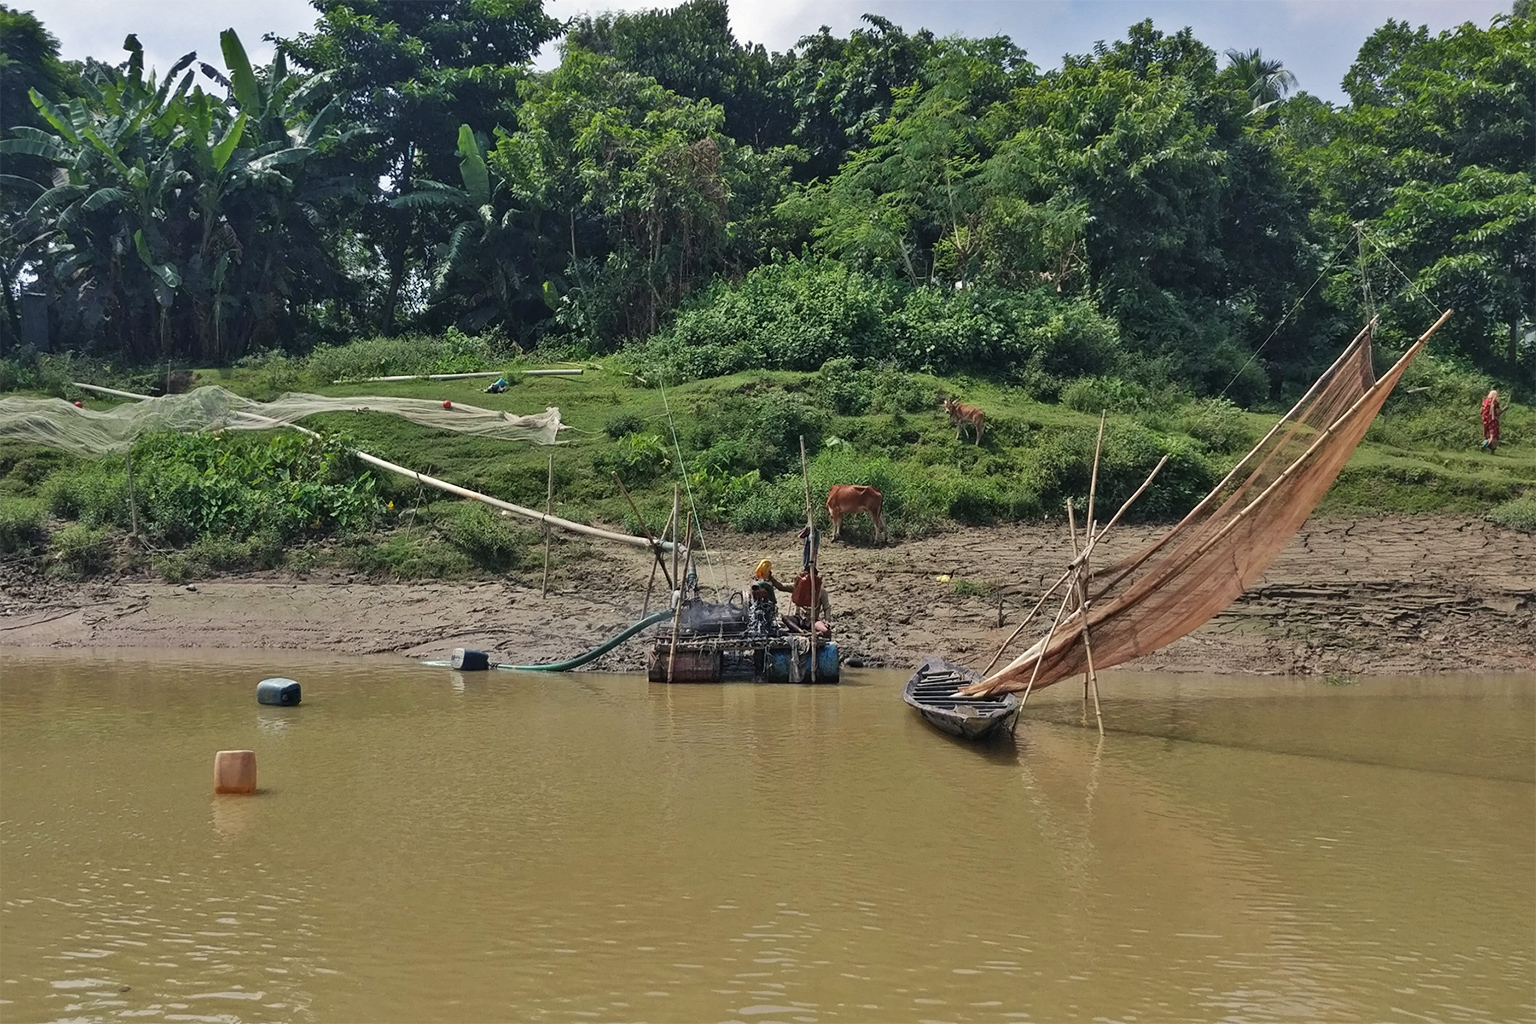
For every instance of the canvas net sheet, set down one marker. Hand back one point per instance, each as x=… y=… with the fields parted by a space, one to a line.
x=58 y=424
x=1202 y=565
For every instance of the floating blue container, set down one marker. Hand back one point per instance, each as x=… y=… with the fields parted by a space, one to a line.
x=279 y=691
x=470 y=661
x=776 y=664
x=826 y=663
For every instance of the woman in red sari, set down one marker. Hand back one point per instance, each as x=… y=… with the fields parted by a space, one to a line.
x=1491 y=415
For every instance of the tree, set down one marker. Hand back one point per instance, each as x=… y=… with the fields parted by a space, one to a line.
x=177 y=222
x=1266 y=81
x=690 y=50
x=414 y=70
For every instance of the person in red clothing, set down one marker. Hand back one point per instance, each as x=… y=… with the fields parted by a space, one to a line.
x=1491 y=415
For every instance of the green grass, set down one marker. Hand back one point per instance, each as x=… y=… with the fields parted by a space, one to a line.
x=736 y=448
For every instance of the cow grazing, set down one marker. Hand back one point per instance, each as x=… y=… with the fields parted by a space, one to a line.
x=960 y=415
x=851 y=499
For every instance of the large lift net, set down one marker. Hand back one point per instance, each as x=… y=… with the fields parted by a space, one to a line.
x=56 y=423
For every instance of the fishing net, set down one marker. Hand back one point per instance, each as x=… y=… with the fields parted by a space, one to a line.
x=1229 y=540
x=58 y=424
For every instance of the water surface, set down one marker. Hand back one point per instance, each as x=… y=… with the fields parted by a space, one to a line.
x=433 y=846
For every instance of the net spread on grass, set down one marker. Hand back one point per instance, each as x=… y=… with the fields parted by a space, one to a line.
x=1177 y=583
x=59 y=424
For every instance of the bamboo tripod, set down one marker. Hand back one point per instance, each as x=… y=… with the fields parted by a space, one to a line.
x=1076 y=578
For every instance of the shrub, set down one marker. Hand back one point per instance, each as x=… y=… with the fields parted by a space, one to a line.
x=452 y=352
x=79 y=551
x=636 y=458
x=623 y=425
x=21 y=525
x=1094 y=394
x=487 y=539
x=1518 y=514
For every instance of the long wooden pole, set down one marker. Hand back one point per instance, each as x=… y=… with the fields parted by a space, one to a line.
x=133 y=503
x=1090 y=678
x=811 y=547
x=659 y=563
x=676 y=581
x=549 y=509
x=677 y=614
x=646 y=529
x=429 y=481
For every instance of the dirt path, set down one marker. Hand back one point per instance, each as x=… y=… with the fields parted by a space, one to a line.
x=1378 y=595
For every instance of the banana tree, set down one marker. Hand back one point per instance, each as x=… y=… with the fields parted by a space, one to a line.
x=481 y=267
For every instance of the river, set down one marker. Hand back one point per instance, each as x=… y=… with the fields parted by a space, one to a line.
x=435 y=846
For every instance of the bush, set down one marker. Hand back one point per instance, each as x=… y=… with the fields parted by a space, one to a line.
x=21 y=525
x=241 y=485
x=486 y=538
x=79 y=551
x=1092 y=395
x=636 y=458
x=1518 y=514
x=453 y=352
x=623 y=425
x=758 y=426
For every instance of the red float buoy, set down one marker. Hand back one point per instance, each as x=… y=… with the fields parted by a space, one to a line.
x=447 y=404
x=79 y=404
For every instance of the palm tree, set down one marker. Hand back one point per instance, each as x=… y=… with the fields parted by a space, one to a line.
x=1267 y=81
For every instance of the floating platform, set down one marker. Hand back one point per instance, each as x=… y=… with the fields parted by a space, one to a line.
x=717 y=659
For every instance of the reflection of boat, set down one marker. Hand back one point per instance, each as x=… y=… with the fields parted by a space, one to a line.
x=1112 y=614
x=934 y=691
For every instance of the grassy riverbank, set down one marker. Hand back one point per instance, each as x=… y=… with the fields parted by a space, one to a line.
x=269 y=499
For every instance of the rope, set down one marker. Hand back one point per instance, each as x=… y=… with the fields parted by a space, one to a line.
x=1289 y=313
x=1412 y=285
x=682 y=469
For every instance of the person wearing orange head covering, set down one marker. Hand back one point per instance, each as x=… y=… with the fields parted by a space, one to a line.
x=1492 y=413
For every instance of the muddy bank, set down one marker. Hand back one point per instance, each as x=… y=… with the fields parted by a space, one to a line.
x=1370 y=595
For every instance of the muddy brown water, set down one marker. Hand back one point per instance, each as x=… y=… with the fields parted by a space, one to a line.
x=430 y=846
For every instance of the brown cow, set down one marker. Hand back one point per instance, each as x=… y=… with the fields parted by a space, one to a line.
x=960 y=415
x=851 y=499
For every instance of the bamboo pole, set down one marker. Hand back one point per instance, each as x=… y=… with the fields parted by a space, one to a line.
x=811 y=548
x=1093 y=483
x=549 y=509
x=677 y=615
x=1089 y=676
x=659 y=563
x=133 y=503
x=429 y=481
x=676 y=581
x=655 y=548
x=1046 y=645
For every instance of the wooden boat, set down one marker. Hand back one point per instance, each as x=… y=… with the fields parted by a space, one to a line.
x=932 y=690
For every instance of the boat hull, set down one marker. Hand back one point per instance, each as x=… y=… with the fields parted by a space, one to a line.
x=931 y=692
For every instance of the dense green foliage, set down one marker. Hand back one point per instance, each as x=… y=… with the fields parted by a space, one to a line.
x=211 y=503
x=758 y=247
x=1150 y=211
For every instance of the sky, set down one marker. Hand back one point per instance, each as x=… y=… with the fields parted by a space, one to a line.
x=1316 y=39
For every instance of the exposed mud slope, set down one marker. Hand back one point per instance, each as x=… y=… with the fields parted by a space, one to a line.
x=1377 y=595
